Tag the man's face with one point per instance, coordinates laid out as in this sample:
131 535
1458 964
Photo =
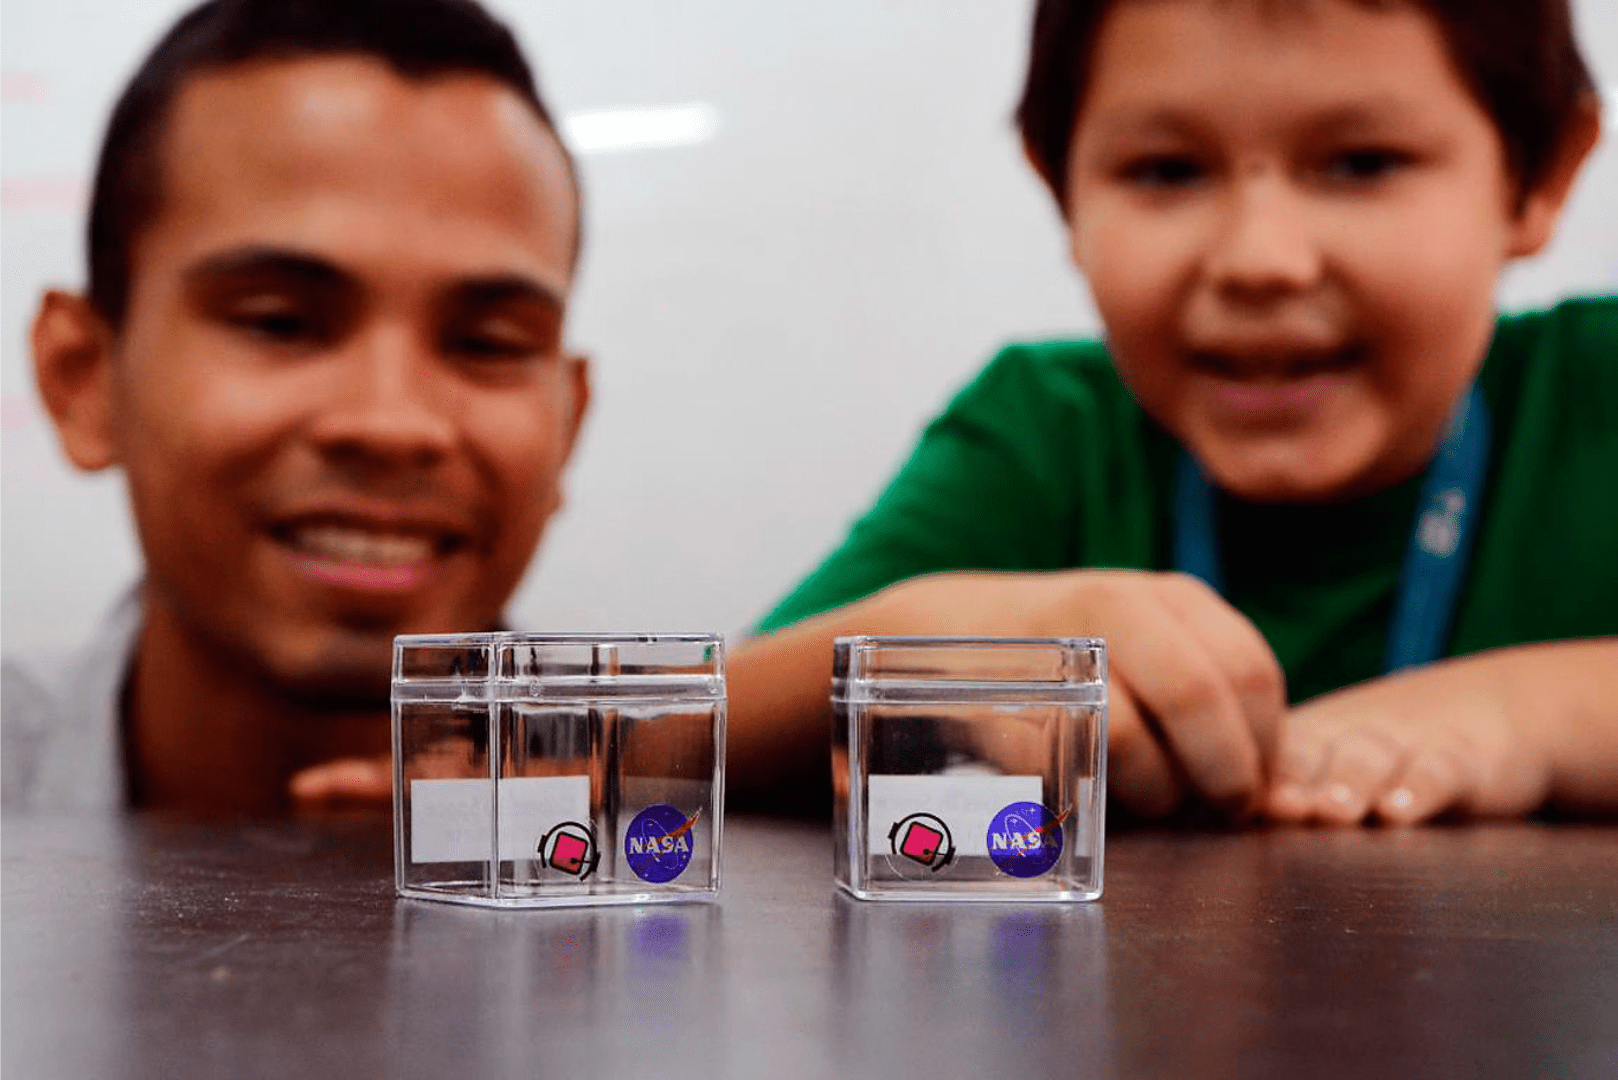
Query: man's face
1292 218
339 393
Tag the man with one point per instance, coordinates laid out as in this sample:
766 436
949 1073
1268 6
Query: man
331 246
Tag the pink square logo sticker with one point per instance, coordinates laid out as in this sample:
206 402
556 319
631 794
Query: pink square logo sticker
922 840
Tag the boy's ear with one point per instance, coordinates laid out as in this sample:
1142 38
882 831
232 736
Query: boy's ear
73 367
1535 221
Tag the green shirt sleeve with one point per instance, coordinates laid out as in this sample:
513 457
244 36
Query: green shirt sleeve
1006 479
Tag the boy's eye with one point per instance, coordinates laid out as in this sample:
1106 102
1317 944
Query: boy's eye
1361 166
1164 171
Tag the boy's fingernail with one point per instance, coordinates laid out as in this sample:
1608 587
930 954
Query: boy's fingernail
1341 794
1399 799
1288 797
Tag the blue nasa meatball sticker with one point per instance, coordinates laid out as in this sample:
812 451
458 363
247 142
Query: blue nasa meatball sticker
1025 839
658 843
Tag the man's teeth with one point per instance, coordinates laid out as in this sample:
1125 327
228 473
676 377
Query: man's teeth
360 546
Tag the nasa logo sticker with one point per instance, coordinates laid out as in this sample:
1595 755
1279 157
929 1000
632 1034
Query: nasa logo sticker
1025 839
659 842
922 839
570 848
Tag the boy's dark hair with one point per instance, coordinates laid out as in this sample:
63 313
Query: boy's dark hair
1518 58
420 39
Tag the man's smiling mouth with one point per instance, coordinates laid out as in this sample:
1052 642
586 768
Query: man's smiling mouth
384 560
347 543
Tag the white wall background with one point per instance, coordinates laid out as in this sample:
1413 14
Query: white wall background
773 311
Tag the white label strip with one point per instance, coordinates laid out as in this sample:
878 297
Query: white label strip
965 803
449 819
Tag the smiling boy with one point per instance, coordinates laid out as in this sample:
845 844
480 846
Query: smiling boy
1292 218
331 246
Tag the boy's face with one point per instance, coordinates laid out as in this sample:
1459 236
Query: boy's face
1292 218
340 394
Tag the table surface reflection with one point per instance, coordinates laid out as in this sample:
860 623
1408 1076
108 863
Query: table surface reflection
150 948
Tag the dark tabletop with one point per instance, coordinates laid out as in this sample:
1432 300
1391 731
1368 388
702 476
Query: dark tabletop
152 948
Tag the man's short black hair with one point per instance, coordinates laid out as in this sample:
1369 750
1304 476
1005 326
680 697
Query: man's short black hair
1517 57
420 39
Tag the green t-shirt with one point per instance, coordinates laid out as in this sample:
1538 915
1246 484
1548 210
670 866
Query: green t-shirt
1045 462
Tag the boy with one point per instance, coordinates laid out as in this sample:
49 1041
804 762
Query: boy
1292 218
330 249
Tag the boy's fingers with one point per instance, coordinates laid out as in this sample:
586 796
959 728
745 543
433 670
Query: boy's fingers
1196 710
1300 759
1358 770
1241 652
1428 785
1139 773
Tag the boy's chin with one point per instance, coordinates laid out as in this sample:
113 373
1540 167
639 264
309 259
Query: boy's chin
1287 474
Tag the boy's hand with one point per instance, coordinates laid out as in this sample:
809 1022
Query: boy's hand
1196 696
1496 734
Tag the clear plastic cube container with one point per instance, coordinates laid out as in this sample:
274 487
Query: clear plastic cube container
539 770
969 768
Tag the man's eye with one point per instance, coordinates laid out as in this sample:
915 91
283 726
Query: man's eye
1362 166
276 322
490 347
1164 171
283 326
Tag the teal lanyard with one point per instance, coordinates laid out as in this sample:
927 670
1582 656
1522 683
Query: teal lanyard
1435 560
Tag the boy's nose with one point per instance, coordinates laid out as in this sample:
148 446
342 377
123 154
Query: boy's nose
387 411
1263 249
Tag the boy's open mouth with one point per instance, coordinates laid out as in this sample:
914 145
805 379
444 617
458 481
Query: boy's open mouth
1277 365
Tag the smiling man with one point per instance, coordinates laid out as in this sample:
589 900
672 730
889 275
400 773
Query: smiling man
331 246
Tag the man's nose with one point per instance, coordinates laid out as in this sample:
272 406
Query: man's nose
1264 249
389 408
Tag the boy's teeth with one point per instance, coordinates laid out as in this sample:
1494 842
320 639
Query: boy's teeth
360 546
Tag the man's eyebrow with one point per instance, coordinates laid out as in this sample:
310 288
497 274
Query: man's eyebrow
256 260
490 290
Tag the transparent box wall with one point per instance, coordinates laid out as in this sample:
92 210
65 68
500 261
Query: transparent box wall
969 768
537 770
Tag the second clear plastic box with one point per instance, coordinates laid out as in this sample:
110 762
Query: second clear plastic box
969 768
538 770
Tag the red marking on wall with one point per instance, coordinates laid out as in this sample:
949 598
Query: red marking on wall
23 86
17 412
22 194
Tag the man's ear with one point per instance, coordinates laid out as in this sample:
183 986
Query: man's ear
73 367
578 374
1535 222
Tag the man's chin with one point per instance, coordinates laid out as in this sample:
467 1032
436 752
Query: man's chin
342 676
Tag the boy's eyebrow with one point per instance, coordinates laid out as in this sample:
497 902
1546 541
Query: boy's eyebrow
1132 119
1149 120
1374 113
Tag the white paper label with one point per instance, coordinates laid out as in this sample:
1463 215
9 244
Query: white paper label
449 819
965 803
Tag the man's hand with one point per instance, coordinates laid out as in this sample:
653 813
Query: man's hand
1196 696
1496 734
